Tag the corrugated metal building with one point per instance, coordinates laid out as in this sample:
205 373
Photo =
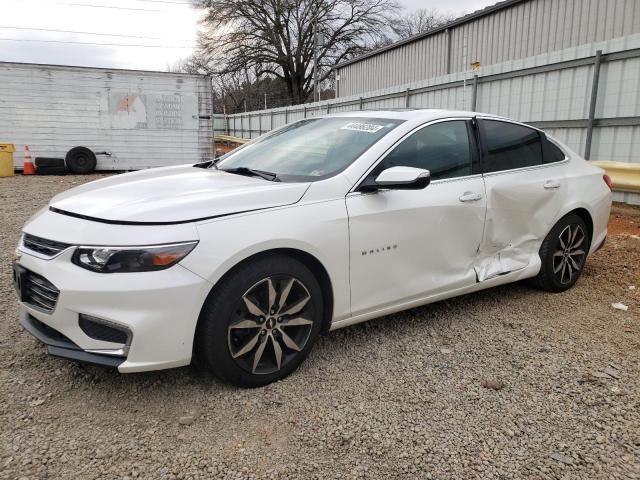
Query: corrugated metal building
509 30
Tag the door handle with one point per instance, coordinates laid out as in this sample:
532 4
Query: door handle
551 185
470 197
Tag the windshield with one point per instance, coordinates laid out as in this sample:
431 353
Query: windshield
311 149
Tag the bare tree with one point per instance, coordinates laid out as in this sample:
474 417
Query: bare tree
276 38
419 21
241 91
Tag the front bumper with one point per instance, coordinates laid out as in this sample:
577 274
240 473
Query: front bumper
60 346
160 310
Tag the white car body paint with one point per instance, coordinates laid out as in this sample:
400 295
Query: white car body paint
383 252
429 242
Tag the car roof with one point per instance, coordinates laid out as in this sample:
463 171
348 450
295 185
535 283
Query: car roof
425 114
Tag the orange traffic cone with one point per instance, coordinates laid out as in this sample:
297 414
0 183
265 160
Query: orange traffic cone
28 168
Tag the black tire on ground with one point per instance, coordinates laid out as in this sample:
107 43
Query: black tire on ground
275 284
80 160
563 254
48 162
51 170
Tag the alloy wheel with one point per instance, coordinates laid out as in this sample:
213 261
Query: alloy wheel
568 258
273 321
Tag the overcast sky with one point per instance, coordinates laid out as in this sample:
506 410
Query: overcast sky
157 33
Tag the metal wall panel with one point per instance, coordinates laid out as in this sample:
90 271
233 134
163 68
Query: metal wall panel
143 119
560 94
524 29
620 95
627 197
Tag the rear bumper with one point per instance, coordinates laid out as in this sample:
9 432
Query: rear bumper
60 346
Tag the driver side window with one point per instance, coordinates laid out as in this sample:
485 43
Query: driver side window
443 148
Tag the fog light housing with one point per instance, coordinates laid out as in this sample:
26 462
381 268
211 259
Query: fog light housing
106 331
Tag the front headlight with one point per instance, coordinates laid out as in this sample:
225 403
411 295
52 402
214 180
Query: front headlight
131 259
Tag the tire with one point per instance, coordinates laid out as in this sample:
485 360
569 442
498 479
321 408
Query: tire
48 162
50 166
238 337
80 160
51 170
563 255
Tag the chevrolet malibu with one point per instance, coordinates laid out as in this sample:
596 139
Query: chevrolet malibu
240 264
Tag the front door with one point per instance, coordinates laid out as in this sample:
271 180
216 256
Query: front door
408 244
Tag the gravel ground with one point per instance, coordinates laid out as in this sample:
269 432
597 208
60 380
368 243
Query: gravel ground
506 383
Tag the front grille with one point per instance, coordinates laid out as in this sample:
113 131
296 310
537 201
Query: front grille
49 248
101 331
39 292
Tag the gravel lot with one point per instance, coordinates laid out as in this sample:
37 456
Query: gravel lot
406 396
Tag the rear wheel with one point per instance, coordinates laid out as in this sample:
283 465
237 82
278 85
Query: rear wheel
563 255
260 322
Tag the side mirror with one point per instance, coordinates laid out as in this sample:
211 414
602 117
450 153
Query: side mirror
400 178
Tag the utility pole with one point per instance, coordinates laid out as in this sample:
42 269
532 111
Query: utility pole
225 119
265 101
464 73
316 93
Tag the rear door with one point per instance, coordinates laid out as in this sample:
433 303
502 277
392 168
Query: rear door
525 186
407 244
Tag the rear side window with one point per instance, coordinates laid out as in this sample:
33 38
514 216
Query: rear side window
509 146
552 153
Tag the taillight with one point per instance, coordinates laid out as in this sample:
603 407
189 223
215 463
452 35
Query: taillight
608 181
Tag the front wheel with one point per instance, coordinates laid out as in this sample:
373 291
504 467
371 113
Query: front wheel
260 322
563 255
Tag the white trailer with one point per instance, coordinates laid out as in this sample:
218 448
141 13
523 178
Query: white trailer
124 119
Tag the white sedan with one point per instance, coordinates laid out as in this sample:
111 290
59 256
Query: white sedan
239 265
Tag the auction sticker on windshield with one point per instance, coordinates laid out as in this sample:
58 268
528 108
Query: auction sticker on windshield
362 127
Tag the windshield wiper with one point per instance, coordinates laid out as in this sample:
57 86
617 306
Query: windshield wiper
251 172
206 164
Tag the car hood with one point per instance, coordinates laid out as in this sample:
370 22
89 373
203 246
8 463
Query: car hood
174 195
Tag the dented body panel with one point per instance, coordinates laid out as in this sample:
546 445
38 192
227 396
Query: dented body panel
522 206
